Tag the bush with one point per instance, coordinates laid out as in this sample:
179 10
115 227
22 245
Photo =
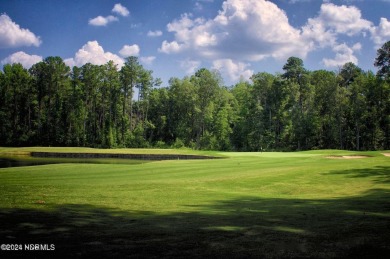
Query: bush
178 143
160 144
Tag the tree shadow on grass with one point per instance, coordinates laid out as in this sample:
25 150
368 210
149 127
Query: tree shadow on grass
248 227
378 173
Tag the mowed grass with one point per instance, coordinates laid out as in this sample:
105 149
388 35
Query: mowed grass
260 205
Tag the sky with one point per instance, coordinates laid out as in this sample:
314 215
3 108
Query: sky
175 38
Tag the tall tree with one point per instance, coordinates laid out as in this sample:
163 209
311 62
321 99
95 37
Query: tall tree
348 73
18 106
130 77
51 78
110 101
261 112
326 106
75 109
348 125
183 112
382 61
91 82
207 84
159 110
243 126
301 103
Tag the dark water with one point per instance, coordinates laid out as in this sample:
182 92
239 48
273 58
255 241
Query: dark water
34 161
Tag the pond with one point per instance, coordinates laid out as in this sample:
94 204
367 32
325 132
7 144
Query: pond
16 161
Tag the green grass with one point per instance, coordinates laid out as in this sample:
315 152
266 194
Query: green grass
267 205
27 150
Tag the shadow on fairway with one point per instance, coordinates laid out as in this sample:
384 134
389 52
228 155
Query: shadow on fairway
378 173
246 227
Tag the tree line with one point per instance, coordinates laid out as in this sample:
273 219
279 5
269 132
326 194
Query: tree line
94 106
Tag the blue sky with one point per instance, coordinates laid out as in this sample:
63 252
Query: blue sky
174 38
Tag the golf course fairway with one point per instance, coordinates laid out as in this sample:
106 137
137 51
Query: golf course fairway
245 205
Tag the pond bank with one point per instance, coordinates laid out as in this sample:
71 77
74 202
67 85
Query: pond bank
124 156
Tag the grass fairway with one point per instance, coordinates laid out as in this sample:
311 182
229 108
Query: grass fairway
260 205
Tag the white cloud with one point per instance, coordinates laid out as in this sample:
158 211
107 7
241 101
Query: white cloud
189 66
233 70
155 33
70 62
147 60
246 31
344 19
11 35
344 54
249 30
21 57
317 34
128 50
170 47
381 34
120 9
93 53
332 21
102 21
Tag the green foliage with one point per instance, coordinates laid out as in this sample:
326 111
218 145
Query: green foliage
160 144
178 143
383 61
95 106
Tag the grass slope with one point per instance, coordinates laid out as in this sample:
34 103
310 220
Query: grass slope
269 205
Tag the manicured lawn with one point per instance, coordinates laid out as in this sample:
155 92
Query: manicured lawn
270 205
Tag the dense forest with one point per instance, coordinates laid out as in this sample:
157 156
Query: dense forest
95 106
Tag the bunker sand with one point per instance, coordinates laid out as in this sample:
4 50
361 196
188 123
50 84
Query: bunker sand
347 157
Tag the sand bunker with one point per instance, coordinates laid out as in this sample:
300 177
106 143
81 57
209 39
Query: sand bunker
386 154
347 157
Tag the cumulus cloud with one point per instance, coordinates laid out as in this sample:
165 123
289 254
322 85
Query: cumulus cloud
23 58
102 21
332 21
189 66
121 10
170 47
11 35
247 29
344 54
155 33
147 60
233 70
93 53
381 34
344 19
128 50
